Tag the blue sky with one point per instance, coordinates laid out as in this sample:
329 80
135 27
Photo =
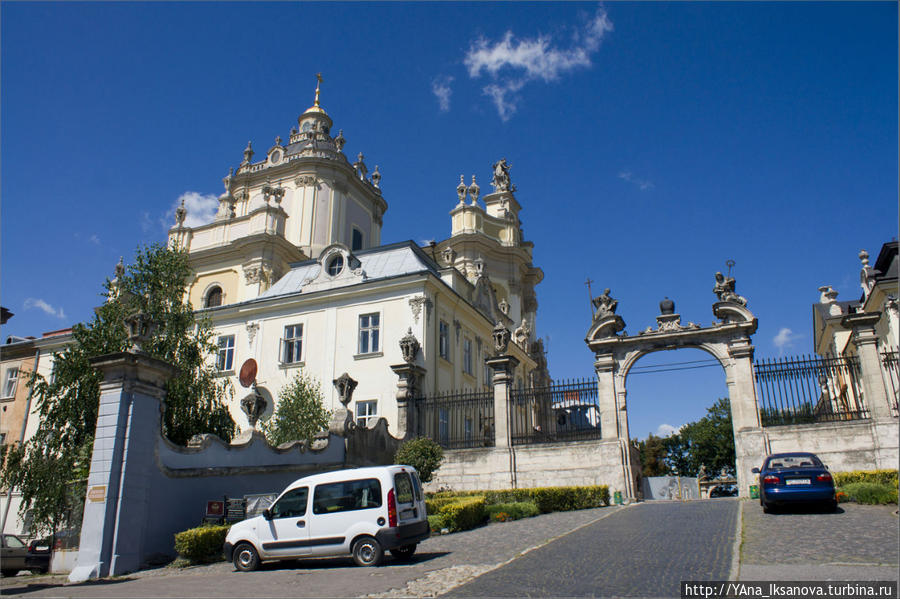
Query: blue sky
649 143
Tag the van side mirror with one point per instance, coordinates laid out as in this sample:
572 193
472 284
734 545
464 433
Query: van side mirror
755 471
267 514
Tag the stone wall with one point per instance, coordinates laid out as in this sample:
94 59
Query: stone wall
543 465
842 446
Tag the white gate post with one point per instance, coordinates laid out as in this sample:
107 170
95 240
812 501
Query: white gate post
866 341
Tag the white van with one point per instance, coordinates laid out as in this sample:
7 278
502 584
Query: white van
361 512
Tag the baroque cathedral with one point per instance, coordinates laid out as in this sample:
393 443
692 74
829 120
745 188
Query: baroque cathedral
293 275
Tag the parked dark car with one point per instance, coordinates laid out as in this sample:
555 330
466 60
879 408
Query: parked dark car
792 478
17 556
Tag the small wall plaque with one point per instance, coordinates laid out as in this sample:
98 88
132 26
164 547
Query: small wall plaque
97 494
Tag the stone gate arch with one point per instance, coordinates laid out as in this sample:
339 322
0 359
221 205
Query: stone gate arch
728 340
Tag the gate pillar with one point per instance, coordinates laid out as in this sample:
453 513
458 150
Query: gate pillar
605 366
866 340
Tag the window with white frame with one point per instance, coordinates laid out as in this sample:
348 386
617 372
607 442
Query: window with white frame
366 413
467 356
292 344
225 359
9 385
444 340
369 329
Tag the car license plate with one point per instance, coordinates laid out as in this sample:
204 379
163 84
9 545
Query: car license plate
797 481
42 548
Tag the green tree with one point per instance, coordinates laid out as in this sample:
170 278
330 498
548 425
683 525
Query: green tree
299 414
708 441
421 453
653 455
46 467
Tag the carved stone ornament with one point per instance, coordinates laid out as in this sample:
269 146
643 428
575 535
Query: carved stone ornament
360 166
724 290
866 274
306 180
345 387
461 190
457 326
479 266
376 178
500 334
180 214
140 327
409 347
474 190
415 304
248 153
604 305
501 181
339 141
449 256
252 329
522 335
504 306
252 274
273 193
253 405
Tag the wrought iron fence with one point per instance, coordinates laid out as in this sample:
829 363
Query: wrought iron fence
802 390
561 412
891 368
457 419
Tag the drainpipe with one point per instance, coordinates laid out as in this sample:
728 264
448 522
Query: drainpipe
9 493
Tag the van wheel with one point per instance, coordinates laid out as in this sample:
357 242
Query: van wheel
245 557
367 552
404 553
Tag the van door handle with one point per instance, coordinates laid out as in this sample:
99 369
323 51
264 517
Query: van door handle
301 524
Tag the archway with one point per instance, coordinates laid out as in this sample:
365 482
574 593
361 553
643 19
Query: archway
727 340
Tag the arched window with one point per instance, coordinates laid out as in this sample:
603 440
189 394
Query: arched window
214 297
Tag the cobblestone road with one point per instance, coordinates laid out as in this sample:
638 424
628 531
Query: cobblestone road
645 551
858 542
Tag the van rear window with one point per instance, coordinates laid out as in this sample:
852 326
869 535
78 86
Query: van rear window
404 487
346 496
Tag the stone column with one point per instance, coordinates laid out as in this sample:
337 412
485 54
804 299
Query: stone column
116 509
503 368
866 341
407 391
742 386
605 366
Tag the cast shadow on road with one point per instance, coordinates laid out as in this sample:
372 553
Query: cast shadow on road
328 563
787 510
32 587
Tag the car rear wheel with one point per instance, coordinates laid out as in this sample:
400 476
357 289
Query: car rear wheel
367 552
245 557
404 553
768 508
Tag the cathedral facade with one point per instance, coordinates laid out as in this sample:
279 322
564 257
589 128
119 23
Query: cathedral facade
293 275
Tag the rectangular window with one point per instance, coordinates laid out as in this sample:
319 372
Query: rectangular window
366 413
443 425
12 379
369 328
444 340
292 344
357 240
225 359
346 496
467 356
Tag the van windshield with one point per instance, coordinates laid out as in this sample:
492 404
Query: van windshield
404 487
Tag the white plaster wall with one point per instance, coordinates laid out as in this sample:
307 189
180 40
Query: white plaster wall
842 446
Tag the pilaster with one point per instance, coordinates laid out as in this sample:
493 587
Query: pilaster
866 340
408 387
503 368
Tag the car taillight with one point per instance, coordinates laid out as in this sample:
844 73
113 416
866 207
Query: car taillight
392 509
770 480
825 478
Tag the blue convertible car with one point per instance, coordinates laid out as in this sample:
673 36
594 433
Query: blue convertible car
795 478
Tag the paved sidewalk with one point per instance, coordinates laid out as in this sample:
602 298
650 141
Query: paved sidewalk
859 542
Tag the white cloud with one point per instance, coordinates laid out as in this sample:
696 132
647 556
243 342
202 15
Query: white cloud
40 304
201 209
642 184
666 430
440 87
785 339
512 62
94 239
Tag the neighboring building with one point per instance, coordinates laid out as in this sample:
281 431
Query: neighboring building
19 358
879 295
292 273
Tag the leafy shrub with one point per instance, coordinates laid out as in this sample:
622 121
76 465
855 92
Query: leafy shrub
433 505
501 512
870 493
879 477
464 514
554 499
841 496
436 522
423 454
202 544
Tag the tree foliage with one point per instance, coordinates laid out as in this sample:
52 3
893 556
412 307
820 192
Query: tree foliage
423 454
708 442
653 455
46 466
299 414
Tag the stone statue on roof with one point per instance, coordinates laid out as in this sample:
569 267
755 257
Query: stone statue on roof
501 180
724 290
604 305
